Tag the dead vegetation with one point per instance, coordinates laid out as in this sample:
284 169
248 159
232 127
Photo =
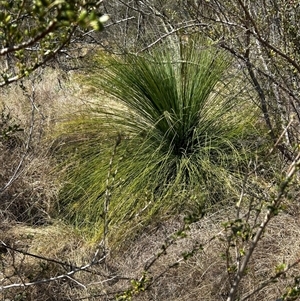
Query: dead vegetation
50 252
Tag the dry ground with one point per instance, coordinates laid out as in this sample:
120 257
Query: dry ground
200 277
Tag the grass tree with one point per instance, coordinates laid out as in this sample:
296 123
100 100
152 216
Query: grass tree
175 138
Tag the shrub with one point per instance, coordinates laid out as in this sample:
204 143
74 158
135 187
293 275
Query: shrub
177 136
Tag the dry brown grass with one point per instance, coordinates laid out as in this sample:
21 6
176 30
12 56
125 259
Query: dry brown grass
204 276
201 277
24 156
55 242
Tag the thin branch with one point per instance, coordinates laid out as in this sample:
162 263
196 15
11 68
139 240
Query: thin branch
105 26
64 264
51 279
108 191
257 34
42 62
170 33
17 173
269 215
30 42
271 280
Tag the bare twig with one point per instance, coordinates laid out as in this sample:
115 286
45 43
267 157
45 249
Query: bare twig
51 279
31 41
108 190
269 215
18 171
43 61
263 41
64 264
170 33
271 280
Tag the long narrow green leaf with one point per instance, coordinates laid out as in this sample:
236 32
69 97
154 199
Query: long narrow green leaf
182 123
